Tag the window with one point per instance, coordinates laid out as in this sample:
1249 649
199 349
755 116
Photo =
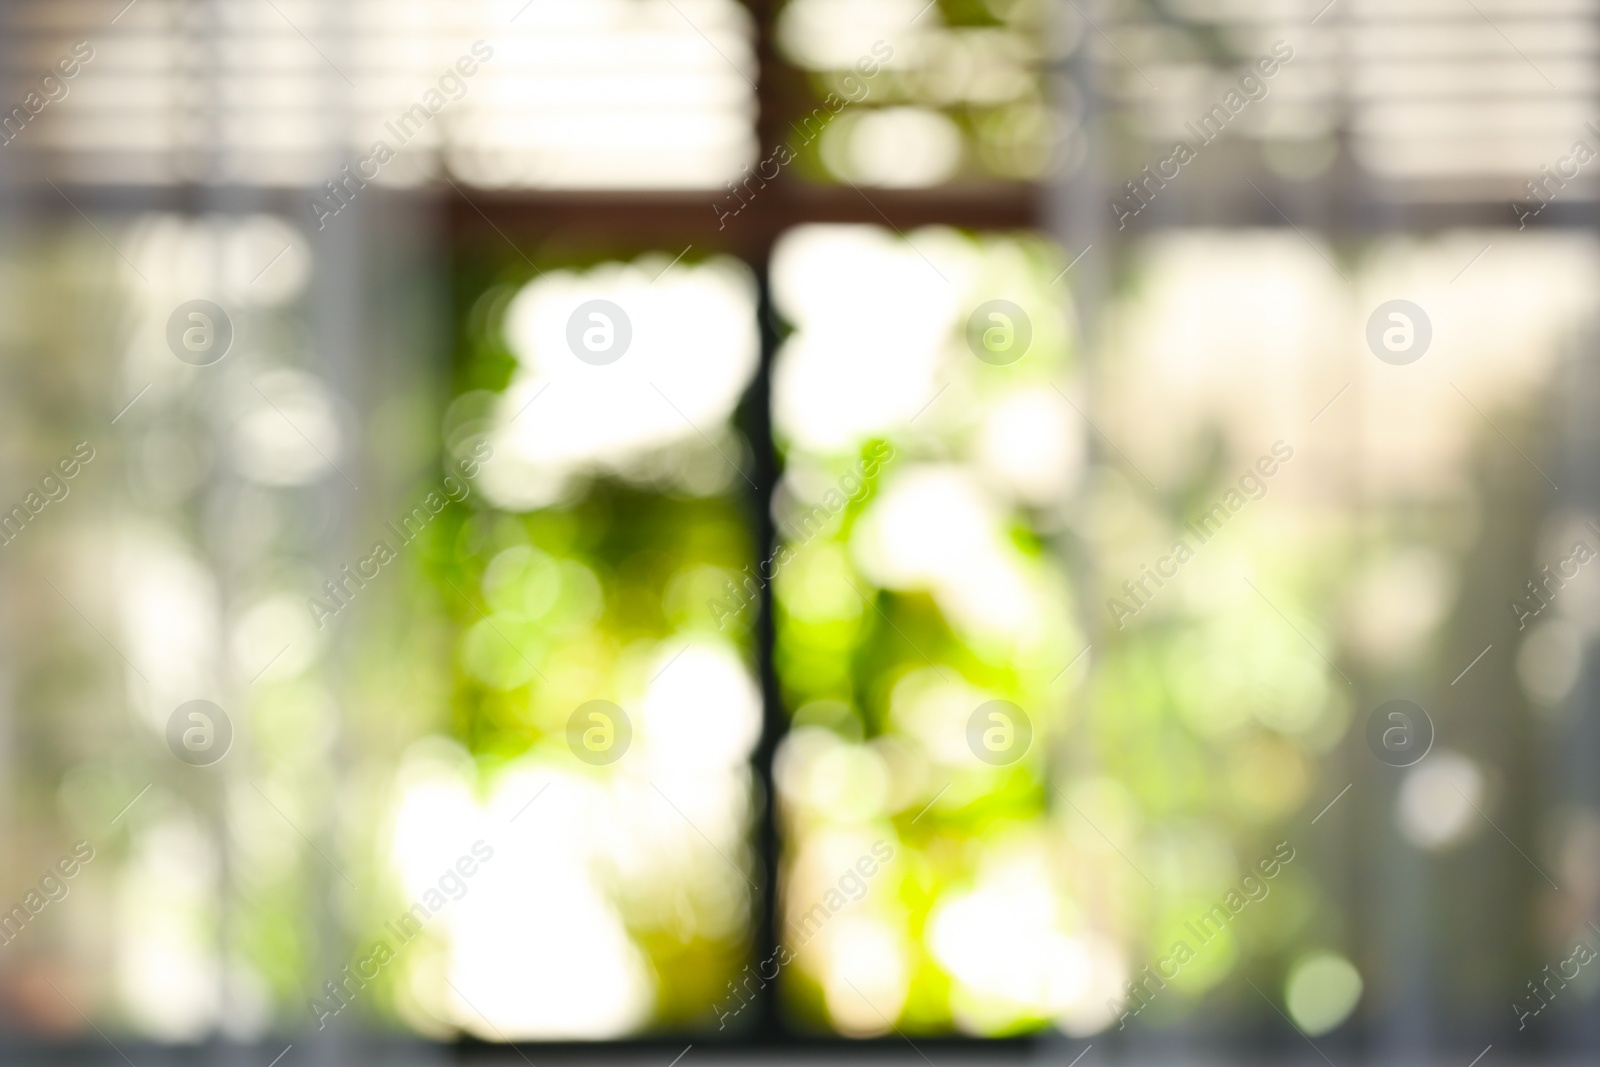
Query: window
636 519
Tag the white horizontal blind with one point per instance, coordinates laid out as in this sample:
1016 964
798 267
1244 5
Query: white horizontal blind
560 94
1440 99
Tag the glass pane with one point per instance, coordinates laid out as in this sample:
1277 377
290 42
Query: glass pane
600 723
175 700
1309 640
928 646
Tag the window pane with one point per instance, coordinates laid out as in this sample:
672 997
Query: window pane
925 631
590 685
1327 658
